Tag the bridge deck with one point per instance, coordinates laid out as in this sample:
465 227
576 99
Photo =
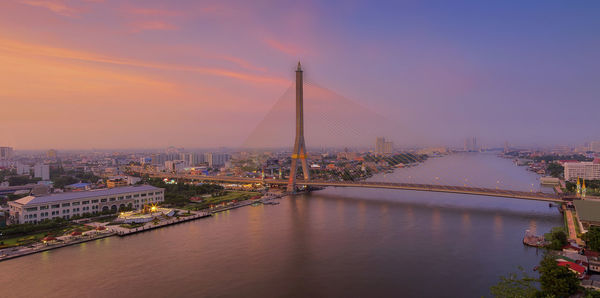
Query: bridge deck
539 196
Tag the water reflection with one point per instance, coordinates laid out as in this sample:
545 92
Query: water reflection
331 243
466 222
410 217
498 227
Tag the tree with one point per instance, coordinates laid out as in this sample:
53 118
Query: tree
18 180
557 281
515 286
591 293
558 239
592 238
62 181
24 229
555 170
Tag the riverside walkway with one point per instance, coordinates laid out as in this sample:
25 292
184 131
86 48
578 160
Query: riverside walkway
11 253
571 227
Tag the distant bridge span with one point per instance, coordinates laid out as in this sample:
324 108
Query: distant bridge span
537 196
299 155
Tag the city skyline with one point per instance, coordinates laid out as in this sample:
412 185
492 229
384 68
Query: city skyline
92 74
228 148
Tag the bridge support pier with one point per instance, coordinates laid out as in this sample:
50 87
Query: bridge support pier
299 152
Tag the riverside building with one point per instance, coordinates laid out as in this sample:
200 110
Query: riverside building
587 170
33 209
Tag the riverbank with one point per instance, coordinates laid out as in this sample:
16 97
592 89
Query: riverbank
363 242
12 253
119 230
103 230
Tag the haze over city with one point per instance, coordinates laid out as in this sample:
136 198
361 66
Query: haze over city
191 148
150 74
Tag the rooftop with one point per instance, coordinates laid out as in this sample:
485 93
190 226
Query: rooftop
588 210
78 185
573 266
31 200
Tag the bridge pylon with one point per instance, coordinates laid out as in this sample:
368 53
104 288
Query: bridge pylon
299 153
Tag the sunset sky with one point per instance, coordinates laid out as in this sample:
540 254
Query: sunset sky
150 74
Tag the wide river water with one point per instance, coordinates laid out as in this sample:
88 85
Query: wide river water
332 243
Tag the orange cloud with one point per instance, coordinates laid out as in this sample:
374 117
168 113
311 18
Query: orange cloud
60 80
85 107
55 6
41 50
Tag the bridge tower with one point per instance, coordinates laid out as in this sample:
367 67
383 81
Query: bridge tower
299 152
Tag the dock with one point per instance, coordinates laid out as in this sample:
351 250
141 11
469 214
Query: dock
119 231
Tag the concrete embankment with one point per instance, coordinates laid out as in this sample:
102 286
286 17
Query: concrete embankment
25 251
8 254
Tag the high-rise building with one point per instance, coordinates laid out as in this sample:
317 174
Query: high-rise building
383 147
6 153
191 159
379 143
23 169
159 159
471 144
41 171
216 159
595 146
174 165
388 148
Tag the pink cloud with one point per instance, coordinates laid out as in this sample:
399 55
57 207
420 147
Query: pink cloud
56 6
288 49
243 63
61 53
153 25
153 12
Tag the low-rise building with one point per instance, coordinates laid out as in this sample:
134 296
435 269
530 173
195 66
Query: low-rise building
573 267
549 181
591 284
116 182
594 264
33 209
79 186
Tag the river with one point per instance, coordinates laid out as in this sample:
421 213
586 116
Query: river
332 243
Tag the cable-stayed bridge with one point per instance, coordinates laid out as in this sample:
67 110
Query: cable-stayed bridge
538 196
299 158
